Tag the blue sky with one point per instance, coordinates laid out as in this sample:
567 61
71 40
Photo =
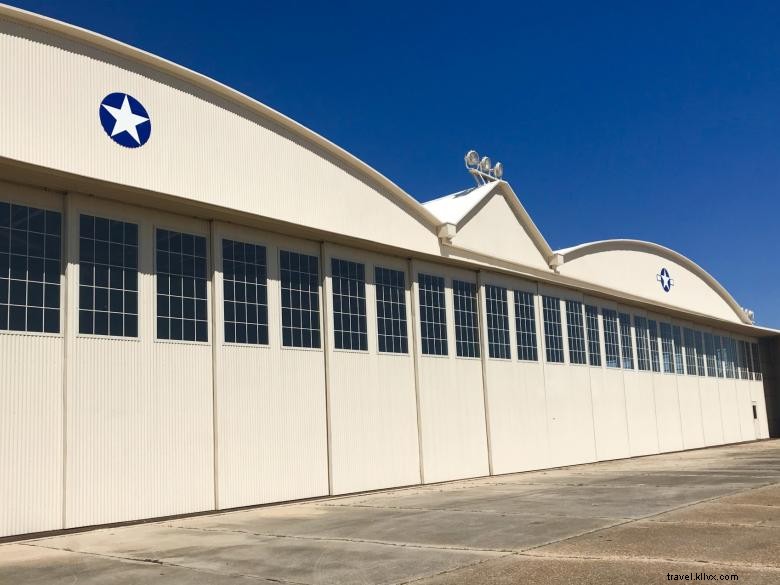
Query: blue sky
658 122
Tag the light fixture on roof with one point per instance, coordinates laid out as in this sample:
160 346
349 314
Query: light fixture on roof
472 159
481 168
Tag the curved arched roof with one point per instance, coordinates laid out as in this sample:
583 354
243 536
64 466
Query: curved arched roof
596 247
220 90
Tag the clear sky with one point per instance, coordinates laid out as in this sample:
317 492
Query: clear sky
658 122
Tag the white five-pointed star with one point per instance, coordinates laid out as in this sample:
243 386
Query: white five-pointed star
665 280
125 120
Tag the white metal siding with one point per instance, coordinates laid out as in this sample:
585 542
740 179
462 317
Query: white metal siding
452 407
270 400
139 411
31 412
373 409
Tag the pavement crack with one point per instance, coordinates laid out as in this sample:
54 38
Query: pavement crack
350 540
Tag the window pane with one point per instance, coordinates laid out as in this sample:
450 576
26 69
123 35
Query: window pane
652 332
29 257
300 279
594 339
709 349
728 357
626 344
466 321
433 319
246 318
667 348
742 360
390 286
525 326
177 254
553 334
349 304
699 352
118 260
690 351
756 361
497 322
611 343
679 363
576 331
642 350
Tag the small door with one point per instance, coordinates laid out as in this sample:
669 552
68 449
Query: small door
755 421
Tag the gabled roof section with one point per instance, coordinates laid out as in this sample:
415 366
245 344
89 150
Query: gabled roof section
453 208
217 89
460 209
591 249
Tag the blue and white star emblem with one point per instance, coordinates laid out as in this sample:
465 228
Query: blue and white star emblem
667 282
125 120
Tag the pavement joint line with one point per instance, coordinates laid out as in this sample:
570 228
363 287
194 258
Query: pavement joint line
701 523
483 512
631 521
455 569
160 563
644 559
353 540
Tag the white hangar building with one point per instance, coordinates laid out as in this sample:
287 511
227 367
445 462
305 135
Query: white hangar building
235 312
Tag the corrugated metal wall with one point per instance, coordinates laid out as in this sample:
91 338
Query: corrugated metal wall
31 413
97 429
270 401
139 411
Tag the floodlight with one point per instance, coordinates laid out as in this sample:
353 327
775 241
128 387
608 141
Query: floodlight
484 164
472 159
498 170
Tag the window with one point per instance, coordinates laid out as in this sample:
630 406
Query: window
350 329
679 364
391 310
626 345
594 340
108 277
709 350
553 334
466 321
245 292
611 342
756 361
525 326
642 353
181 287
652 329
300 279
690 352
497 322
576 331
699 353
742 357
719 359
433 315
728 355
667 348
748 361
29 269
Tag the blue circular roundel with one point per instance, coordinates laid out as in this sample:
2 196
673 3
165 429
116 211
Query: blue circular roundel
125 120
665 279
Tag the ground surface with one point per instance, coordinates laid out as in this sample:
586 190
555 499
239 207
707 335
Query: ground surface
714 511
